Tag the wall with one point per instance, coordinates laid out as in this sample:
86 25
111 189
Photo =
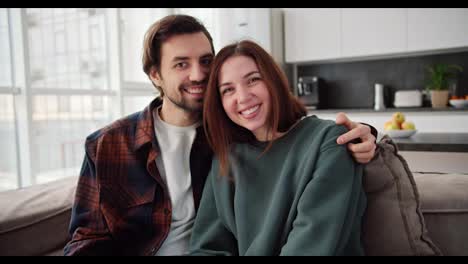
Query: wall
351 84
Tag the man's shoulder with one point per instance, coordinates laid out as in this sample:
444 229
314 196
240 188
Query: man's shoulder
121 127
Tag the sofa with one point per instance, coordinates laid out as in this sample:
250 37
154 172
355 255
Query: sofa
34 220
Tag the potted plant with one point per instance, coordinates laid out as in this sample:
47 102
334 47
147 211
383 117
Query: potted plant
438 82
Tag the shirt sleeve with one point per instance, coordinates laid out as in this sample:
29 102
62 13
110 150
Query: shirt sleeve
88 229
210 237
331 206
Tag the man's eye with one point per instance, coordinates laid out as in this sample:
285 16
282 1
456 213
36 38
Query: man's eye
206 62
180 65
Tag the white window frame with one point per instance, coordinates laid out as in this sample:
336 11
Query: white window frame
9 90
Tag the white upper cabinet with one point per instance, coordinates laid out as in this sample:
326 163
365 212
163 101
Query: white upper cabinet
246 23
373 31
312 34
437 28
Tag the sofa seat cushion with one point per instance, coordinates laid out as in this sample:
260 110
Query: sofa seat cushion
444 203
34 220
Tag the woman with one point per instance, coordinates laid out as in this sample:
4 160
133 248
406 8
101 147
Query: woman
279 183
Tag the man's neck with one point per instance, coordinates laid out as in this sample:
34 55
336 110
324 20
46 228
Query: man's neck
176 116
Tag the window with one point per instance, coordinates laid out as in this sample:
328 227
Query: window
8 151
58 136
137 89
134 104
67 49
64 73
68 66
8 165
209 18
5 72
134 23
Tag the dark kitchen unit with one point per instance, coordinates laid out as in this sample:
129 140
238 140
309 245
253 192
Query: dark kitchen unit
350 85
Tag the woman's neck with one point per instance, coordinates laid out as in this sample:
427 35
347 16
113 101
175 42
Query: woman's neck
264 136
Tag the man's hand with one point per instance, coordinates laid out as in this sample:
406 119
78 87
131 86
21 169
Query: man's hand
363 152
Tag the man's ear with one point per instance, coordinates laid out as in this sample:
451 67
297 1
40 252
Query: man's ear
155 77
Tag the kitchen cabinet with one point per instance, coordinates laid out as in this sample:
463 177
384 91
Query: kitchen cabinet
437 28
312 34
335 34
246 23
373 31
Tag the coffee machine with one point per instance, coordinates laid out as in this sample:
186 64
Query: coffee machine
308 90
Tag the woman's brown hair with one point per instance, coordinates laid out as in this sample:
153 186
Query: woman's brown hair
285 109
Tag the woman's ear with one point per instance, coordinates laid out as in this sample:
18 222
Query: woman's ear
155 77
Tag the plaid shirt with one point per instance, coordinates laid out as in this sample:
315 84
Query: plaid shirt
122 206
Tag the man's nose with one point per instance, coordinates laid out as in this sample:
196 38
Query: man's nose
198 73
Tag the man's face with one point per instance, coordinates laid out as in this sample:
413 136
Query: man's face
184 70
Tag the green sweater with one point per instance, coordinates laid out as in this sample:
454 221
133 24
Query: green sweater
303 197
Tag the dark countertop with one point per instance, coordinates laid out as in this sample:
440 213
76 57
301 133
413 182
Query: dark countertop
439 142
391 110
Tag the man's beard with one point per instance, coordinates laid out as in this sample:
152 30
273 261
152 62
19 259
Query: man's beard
183 104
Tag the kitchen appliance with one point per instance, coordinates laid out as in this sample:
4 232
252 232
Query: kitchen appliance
412 98
309 90
379 103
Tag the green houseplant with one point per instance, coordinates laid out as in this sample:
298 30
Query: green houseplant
439 77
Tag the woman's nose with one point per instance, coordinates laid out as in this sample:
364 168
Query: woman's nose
243 95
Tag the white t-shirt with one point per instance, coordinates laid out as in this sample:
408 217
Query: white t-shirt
174 166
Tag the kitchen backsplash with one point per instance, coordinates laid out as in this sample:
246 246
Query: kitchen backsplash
351 84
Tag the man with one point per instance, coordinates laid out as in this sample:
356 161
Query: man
143 175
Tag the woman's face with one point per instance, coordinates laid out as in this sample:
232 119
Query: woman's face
244 94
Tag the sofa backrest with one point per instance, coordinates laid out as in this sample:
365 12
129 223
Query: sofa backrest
393 223
34 220
444 203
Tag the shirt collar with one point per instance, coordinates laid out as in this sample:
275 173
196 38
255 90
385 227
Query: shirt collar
144 133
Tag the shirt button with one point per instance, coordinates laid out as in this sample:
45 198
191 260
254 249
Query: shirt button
153 250
167 211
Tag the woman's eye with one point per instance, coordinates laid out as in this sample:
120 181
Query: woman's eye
253 80
227 90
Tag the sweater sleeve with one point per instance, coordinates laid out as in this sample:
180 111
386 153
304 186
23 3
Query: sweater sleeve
330 206
210 237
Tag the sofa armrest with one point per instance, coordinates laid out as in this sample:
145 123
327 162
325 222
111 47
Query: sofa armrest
34 220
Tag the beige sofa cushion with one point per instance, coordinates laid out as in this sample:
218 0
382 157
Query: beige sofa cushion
34 220
393 222
444 203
